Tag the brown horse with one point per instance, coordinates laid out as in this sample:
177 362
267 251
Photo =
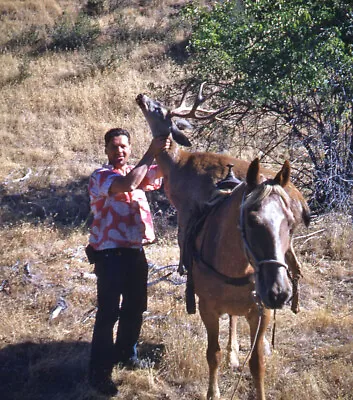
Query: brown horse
246 238
230 263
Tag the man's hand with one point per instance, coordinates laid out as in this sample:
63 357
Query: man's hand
159 144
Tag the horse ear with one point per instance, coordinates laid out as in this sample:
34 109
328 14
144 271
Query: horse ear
283 176
253 175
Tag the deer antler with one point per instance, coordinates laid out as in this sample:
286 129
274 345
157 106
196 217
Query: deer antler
191 111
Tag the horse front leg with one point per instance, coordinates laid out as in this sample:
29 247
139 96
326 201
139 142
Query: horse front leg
257 365
211 321
233 345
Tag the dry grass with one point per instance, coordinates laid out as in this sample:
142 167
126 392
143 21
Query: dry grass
55 107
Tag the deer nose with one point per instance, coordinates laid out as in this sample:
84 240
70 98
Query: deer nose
139 98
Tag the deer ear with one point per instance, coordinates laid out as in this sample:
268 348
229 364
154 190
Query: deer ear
253 176
183 124
283 176
179 137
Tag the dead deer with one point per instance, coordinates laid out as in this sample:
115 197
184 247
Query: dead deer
190 178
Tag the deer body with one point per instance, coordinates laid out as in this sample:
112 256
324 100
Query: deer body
190 178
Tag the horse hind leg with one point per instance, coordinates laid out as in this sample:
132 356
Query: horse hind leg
213 353
233 345
256 363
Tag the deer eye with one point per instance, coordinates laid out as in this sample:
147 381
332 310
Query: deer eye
159 111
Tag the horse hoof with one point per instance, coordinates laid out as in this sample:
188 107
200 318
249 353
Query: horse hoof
233 365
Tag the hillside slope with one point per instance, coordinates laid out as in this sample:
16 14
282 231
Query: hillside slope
68 73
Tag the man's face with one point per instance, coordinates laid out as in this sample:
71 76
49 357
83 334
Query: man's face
118 151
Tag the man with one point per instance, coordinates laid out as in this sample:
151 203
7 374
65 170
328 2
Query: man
122 224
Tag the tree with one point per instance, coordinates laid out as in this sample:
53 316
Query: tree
290 62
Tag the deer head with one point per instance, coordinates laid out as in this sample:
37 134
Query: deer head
160 118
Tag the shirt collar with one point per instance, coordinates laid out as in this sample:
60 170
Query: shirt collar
124 170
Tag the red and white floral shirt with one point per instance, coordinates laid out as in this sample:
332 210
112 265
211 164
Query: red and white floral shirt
123 219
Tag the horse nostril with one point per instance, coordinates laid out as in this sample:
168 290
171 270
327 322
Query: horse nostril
277 298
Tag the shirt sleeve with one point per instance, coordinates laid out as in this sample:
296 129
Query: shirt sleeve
150 181
100 182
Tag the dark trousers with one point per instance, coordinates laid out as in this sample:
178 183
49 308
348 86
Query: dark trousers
121 296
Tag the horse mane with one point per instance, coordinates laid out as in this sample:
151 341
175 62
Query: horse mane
262 191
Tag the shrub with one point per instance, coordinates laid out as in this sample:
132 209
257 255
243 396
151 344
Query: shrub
68 35
94 7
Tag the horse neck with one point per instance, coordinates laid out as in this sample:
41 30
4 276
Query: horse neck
221 240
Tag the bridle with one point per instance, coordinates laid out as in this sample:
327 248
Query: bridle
248 251
255 263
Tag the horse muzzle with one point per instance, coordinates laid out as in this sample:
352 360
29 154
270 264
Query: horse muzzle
273 285
277 297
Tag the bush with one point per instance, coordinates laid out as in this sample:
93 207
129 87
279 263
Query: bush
94 7
68 35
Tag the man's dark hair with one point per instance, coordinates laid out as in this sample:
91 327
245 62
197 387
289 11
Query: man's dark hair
115 132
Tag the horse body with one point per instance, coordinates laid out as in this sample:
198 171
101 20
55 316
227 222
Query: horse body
255 224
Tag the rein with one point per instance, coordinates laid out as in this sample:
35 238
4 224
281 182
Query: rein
243 281
260 309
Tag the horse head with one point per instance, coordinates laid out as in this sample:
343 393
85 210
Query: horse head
267 224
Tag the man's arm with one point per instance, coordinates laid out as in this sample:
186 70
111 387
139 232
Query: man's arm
133 179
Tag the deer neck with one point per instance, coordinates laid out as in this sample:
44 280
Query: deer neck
168 159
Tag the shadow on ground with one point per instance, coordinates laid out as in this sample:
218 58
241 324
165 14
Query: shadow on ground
55 370
61 204
42 371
